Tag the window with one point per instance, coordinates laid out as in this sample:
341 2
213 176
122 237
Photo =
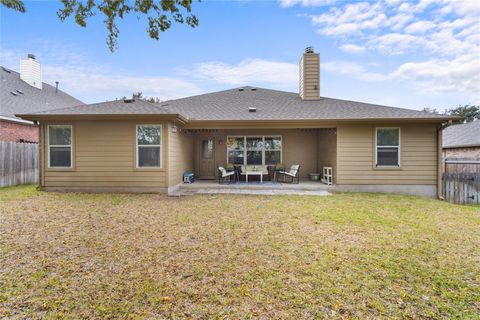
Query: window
273 150
60 146
254 150
149 146
388 147
207 149
235 150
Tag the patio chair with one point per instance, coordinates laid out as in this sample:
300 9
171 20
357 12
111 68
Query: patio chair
293 175
224 176
231 167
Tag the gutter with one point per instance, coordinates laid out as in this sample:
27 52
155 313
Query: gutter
16 120
440 164
39 117
460 146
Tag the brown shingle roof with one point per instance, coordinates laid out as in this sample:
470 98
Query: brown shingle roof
31 100
234 105
115 107
462 135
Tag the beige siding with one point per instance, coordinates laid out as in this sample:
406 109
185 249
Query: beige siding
327 150
104 156
356 155
180 155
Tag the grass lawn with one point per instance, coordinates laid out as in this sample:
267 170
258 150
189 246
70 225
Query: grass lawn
230 257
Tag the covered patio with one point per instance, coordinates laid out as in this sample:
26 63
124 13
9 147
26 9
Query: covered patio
258 155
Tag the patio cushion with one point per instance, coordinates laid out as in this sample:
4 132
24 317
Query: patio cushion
256 167
293 170
226 174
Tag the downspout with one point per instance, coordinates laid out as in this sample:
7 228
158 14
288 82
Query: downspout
440 163
41 144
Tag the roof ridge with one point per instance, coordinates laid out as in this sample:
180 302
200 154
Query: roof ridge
226 90
99 104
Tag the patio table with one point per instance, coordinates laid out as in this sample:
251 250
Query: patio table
253 173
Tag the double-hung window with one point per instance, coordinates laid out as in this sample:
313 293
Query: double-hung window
60 146
387 147
235 150
149 146
254 150
273 150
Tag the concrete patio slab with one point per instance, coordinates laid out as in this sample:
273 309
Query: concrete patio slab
307 188
264 192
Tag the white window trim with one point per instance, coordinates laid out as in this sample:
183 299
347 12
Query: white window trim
62 146
245 148
148 145
398 147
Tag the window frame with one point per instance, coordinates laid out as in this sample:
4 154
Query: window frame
160 146
60 146
398 148
245 147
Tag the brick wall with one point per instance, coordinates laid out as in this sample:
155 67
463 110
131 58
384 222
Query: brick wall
17 132
462 153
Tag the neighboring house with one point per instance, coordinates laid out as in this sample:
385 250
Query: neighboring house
25 92
462 141
134 145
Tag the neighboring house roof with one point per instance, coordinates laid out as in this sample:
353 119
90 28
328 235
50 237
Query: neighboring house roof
234 104
29 99
462 135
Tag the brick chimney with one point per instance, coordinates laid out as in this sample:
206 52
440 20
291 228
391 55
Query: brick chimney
310 75
31 71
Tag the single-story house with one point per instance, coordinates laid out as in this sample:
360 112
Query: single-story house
462 141
25 92
136 146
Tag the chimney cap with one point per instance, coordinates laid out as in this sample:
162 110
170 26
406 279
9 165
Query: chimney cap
31 56
309 49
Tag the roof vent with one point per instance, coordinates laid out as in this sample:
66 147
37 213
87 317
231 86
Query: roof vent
19 91
241 89
254 89
6 70
128 100
14 93
309 50
252 109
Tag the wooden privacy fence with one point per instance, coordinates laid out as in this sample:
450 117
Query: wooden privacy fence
461 181
18 163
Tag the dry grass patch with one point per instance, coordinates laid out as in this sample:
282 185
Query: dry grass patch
150 256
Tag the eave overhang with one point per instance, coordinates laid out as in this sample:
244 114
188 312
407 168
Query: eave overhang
303 123
47 117
225 124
